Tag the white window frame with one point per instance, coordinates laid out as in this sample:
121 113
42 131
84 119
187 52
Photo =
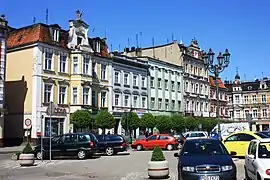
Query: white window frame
86 65
48 59
152 102
254 98
126 79
63 59
144 100
159 103
126 101
135 80
98 47
103 99
117 80
143 81
94 71
255 113
159 83
75 95
60 100
51 92
84 93
264 113
135 99
103 72
118 99
166 82
264 98
246 99
75 63
152 82
56 35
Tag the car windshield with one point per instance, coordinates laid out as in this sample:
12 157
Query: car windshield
266 133
264 150
261 135
204 148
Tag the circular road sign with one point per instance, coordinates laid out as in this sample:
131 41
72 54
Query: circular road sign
28 122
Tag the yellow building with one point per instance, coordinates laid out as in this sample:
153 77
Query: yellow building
47 64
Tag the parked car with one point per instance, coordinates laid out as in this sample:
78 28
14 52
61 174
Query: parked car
180 138
205 159
195 134
257 160
266 133
239 141
164 141
82 145
111 144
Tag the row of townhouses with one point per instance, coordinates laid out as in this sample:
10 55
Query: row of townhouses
44 63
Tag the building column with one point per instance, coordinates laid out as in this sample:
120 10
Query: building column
170 89
156 87
163 88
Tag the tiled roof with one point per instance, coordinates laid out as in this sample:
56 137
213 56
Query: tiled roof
248 86
213 84
33 34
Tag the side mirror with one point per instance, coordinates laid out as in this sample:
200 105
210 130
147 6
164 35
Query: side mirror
176 154
233 153
251 156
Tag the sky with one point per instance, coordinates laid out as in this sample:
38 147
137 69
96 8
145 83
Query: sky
242 26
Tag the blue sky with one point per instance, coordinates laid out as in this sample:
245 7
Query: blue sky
242 26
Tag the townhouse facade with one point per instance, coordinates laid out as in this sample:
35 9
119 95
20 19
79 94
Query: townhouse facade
48 64
223 98
130 87
195 76
3 47
249 98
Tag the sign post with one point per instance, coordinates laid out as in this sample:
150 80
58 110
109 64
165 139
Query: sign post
28 124
249 119
50 111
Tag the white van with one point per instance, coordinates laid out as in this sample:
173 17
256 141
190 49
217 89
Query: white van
195 134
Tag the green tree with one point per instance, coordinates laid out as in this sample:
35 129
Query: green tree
191 123
208 124
148 121
81 118
105 120
132 119
178 123
164 123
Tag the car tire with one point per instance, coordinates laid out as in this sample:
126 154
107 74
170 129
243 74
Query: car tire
169 147
81 154
109 151
246 175
39 155
139 147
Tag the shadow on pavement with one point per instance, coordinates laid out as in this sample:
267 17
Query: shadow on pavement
73 158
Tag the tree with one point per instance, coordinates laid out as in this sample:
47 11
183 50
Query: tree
208 124
133 120
178 123
148 121
105 120
81 118
164 123
191 123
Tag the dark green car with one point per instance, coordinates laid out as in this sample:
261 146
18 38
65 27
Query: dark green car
82 145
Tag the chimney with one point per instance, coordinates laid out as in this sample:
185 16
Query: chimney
126 50
138 52
133 48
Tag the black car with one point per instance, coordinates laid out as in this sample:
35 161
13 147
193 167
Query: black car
111 144
205 159
82 145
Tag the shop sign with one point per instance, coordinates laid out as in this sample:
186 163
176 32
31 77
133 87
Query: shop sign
54 110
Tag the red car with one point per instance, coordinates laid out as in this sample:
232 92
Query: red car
164 141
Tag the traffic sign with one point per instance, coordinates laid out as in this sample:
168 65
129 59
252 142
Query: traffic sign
28 122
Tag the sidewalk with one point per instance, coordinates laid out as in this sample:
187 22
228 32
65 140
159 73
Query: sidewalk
9 150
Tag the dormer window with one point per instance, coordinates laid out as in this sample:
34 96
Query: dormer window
249 88
56 34
263 86
196 54
98 47
79 40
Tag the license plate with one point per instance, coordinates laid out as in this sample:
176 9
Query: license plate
209 178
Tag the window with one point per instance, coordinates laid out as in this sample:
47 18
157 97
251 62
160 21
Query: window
143 102
246 99
103 99
237 113
192 87
246 112
152 103
135 80
206 89
57 127
152 82
159 82
173 86
75 65
117 100
201 106
263 98
94 74
255 113
264 112
79 40
56 35
62 95
159 103
152 138
254 98
167 104
103 71
166 84
179 105
98 47
126 81
197 88
94 99
143 82
86 62
178 87
230 99
48 60
173 104
116 77
75 95
206 107
237 99
63 62
135 101
126 101
85 95
162 137
240 137
186 87
47 93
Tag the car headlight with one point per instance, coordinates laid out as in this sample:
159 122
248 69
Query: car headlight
226 168
188 168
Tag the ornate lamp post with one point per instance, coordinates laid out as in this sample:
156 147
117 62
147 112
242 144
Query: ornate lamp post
223 61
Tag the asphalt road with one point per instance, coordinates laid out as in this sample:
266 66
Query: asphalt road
119 167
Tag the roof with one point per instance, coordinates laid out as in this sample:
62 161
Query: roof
249 86
202 139
213 84
33 34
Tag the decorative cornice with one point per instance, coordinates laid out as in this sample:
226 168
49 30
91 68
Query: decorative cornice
64 82
49 80
86 83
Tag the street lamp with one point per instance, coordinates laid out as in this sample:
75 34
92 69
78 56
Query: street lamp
223 61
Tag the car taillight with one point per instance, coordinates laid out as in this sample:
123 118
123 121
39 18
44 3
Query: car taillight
267 172
91 144
124 144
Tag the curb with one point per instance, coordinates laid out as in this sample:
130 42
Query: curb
8 152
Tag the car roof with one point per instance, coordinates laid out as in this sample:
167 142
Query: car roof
240 132
202 139
196 132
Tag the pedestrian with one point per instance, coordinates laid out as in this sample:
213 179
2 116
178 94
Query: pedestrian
146 134
109 132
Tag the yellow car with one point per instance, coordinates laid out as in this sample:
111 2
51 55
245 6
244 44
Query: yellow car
238 142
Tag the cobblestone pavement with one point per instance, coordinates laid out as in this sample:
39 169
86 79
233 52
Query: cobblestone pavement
119 167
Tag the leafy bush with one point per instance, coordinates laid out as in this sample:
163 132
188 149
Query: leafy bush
105 120
27 149
81 118
157 154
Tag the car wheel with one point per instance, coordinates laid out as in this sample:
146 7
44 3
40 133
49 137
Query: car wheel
39 155
169 147
139 147
81 154
109 151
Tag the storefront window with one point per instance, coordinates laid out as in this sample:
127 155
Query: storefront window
57 126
